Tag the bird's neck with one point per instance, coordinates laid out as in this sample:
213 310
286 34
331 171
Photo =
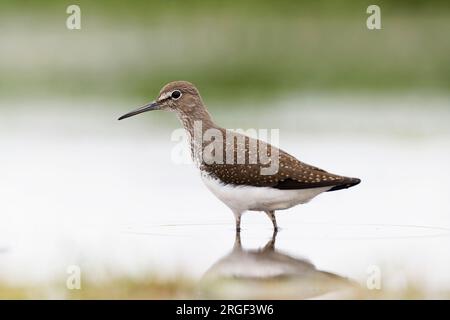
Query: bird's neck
192 121
196 123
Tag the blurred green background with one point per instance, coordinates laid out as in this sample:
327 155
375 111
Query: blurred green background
229 49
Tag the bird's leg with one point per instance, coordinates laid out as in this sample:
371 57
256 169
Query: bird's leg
237 241
270 246
271 215
238 223
274 237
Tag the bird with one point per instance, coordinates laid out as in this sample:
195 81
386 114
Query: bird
245 173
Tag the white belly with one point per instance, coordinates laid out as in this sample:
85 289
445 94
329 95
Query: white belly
242 198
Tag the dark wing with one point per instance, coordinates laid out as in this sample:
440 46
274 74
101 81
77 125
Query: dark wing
291 174
303 176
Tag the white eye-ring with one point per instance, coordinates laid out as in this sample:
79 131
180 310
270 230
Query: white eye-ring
176 94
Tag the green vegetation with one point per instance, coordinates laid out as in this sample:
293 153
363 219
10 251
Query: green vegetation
229 49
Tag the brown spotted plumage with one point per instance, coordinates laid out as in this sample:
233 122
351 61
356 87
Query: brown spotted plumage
292 173
238 179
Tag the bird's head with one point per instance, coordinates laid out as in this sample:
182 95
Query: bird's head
179 96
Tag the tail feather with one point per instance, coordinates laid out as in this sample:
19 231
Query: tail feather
347 183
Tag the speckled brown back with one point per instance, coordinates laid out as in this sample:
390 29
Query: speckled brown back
292 173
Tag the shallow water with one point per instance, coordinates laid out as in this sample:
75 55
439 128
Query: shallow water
90 191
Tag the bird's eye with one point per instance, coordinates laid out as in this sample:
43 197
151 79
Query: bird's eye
176 94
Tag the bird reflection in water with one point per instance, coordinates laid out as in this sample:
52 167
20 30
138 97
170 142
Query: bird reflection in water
267 273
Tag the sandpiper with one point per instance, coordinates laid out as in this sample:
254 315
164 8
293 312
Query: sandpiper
241 182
